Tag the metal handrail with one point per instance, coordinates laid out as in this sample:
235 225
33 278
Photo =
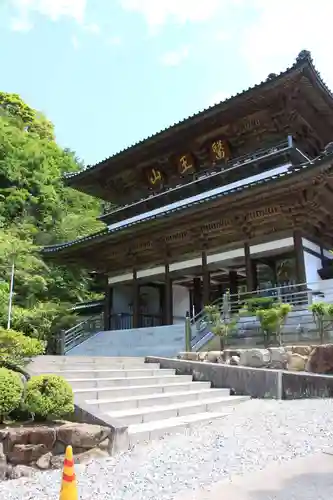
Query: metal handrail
299 295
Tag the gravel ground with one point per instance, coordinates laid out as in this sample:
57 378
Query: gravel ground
255 433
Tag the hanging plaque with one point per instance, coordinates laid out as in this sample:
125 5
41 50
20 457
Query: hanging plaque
155 178
219 151
185 164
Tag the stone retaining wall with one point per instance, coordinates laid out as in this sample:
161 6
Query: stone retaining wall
255 382
26 448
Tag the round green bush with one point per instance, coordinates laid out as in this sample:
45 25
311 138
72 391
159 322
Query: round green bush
11 391
49 395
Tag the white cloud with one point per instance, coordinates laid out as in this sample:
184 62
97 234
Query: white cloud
20 24
53 9
175 57
282 29
157 12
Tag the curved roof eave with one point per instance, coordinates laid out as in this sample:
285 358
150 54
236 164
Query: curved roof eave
304 59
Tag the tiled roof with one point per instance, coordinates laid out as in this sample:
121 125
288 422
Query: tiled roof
277 173
303 57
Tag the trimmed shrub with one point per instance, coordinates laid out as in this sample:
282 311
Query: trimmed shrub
15 347
49 395
11 391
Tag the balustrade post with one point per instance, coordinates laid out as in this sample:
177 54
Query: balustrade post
61 343
188 335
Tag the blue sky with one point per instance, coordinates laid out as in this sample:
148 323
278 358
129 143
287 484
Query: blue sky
111 72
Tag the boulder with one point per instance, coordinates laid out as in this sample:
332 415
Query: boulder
278 358
304 350
213 356
233 361
296 362
321 359
228 353
82 435
3 464
202 356
30 435
44 462
188 356
255 358
26 453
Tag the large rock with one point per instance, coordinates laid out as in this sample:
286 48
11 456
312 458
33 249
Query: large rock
44 462
321 359
304 350
82 435
255 358
278 358
296 362
188 356
3 464
31 435
26 453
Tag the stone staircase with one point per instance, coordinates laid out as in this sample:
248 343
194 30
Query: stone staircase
149 400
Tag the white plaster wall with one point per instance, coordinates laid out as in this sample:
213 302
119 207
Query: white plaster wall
312 264
181 303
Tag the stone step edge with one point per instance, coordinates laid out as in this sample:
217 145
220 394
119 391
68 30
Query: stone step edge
171 371
177 406
170 423
136 379
154 396
138 387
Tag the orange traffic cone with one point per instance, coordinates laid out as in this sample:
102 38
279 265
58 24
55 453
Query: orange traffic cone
68 485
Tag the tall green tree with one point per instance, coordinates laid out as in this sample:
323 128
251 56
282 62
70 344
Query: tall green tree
36 209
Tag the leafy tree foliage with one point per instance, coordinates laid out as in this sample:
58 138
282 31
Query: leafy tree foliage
36 209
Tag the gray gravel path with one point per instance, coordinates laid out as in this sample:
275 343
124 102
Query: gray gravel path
254 434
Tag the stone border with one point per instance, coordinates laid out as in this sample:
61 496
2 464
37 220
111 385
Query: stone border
119 439
255 382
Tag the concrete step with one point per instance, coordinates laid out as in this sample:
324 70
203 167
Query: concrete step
91 374
144 401
152 413
159 378
138 390
99 372
139 433
88 363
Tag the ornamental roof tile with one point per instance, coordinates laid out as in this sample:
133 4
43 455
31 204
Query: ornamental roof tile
304 57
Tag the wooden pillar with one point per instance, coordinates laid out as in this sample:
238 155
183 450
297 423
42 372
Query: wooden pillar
107 308
205 280
197 296
168 303
250 278
136 301
299 258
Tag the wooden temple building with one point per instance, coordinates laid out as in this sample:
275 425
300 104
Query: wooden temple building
236 197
